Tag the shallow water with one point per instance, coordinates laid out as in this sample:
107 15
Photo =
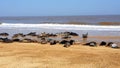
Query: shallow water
55 28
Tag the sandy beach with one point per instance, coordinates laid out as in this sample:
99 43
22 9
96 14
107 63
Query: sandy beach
59 33
35 55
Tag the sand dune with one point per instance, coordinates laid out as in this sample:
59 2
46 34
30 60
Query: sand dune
34 55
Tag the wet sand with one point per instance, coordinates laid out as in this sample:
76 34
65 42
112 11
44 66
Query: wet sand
115 39
35 55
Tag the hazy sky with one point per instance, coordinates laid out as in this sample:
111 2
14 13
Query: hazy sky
58 7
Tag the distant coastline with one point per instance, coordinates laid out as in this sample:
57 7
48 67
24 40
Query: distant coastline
100 23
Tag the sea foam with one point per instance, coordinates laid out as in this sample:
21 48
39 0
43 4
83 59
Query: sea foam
61 26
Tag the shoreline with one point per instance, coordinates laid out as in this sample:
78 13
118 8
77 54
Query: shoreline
96 38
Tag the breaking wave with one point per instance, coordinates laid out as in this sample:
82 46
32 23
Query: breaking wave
61 26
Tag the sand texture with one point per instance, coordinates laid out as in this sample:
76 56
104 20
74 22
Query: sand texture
34 55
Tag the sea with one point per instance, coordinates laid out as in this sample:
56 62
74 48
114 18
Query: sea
55 24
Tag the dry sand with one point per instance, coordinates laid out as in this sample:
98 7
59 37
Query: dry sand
34 55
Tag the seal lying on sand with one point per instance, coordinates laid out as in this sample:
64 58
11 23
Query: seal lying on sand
67 43
6 40
91 44
43 40
53 42
112 45
103 43
18 37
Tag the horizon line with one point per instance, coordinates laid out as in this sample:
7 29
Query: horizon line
63 15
